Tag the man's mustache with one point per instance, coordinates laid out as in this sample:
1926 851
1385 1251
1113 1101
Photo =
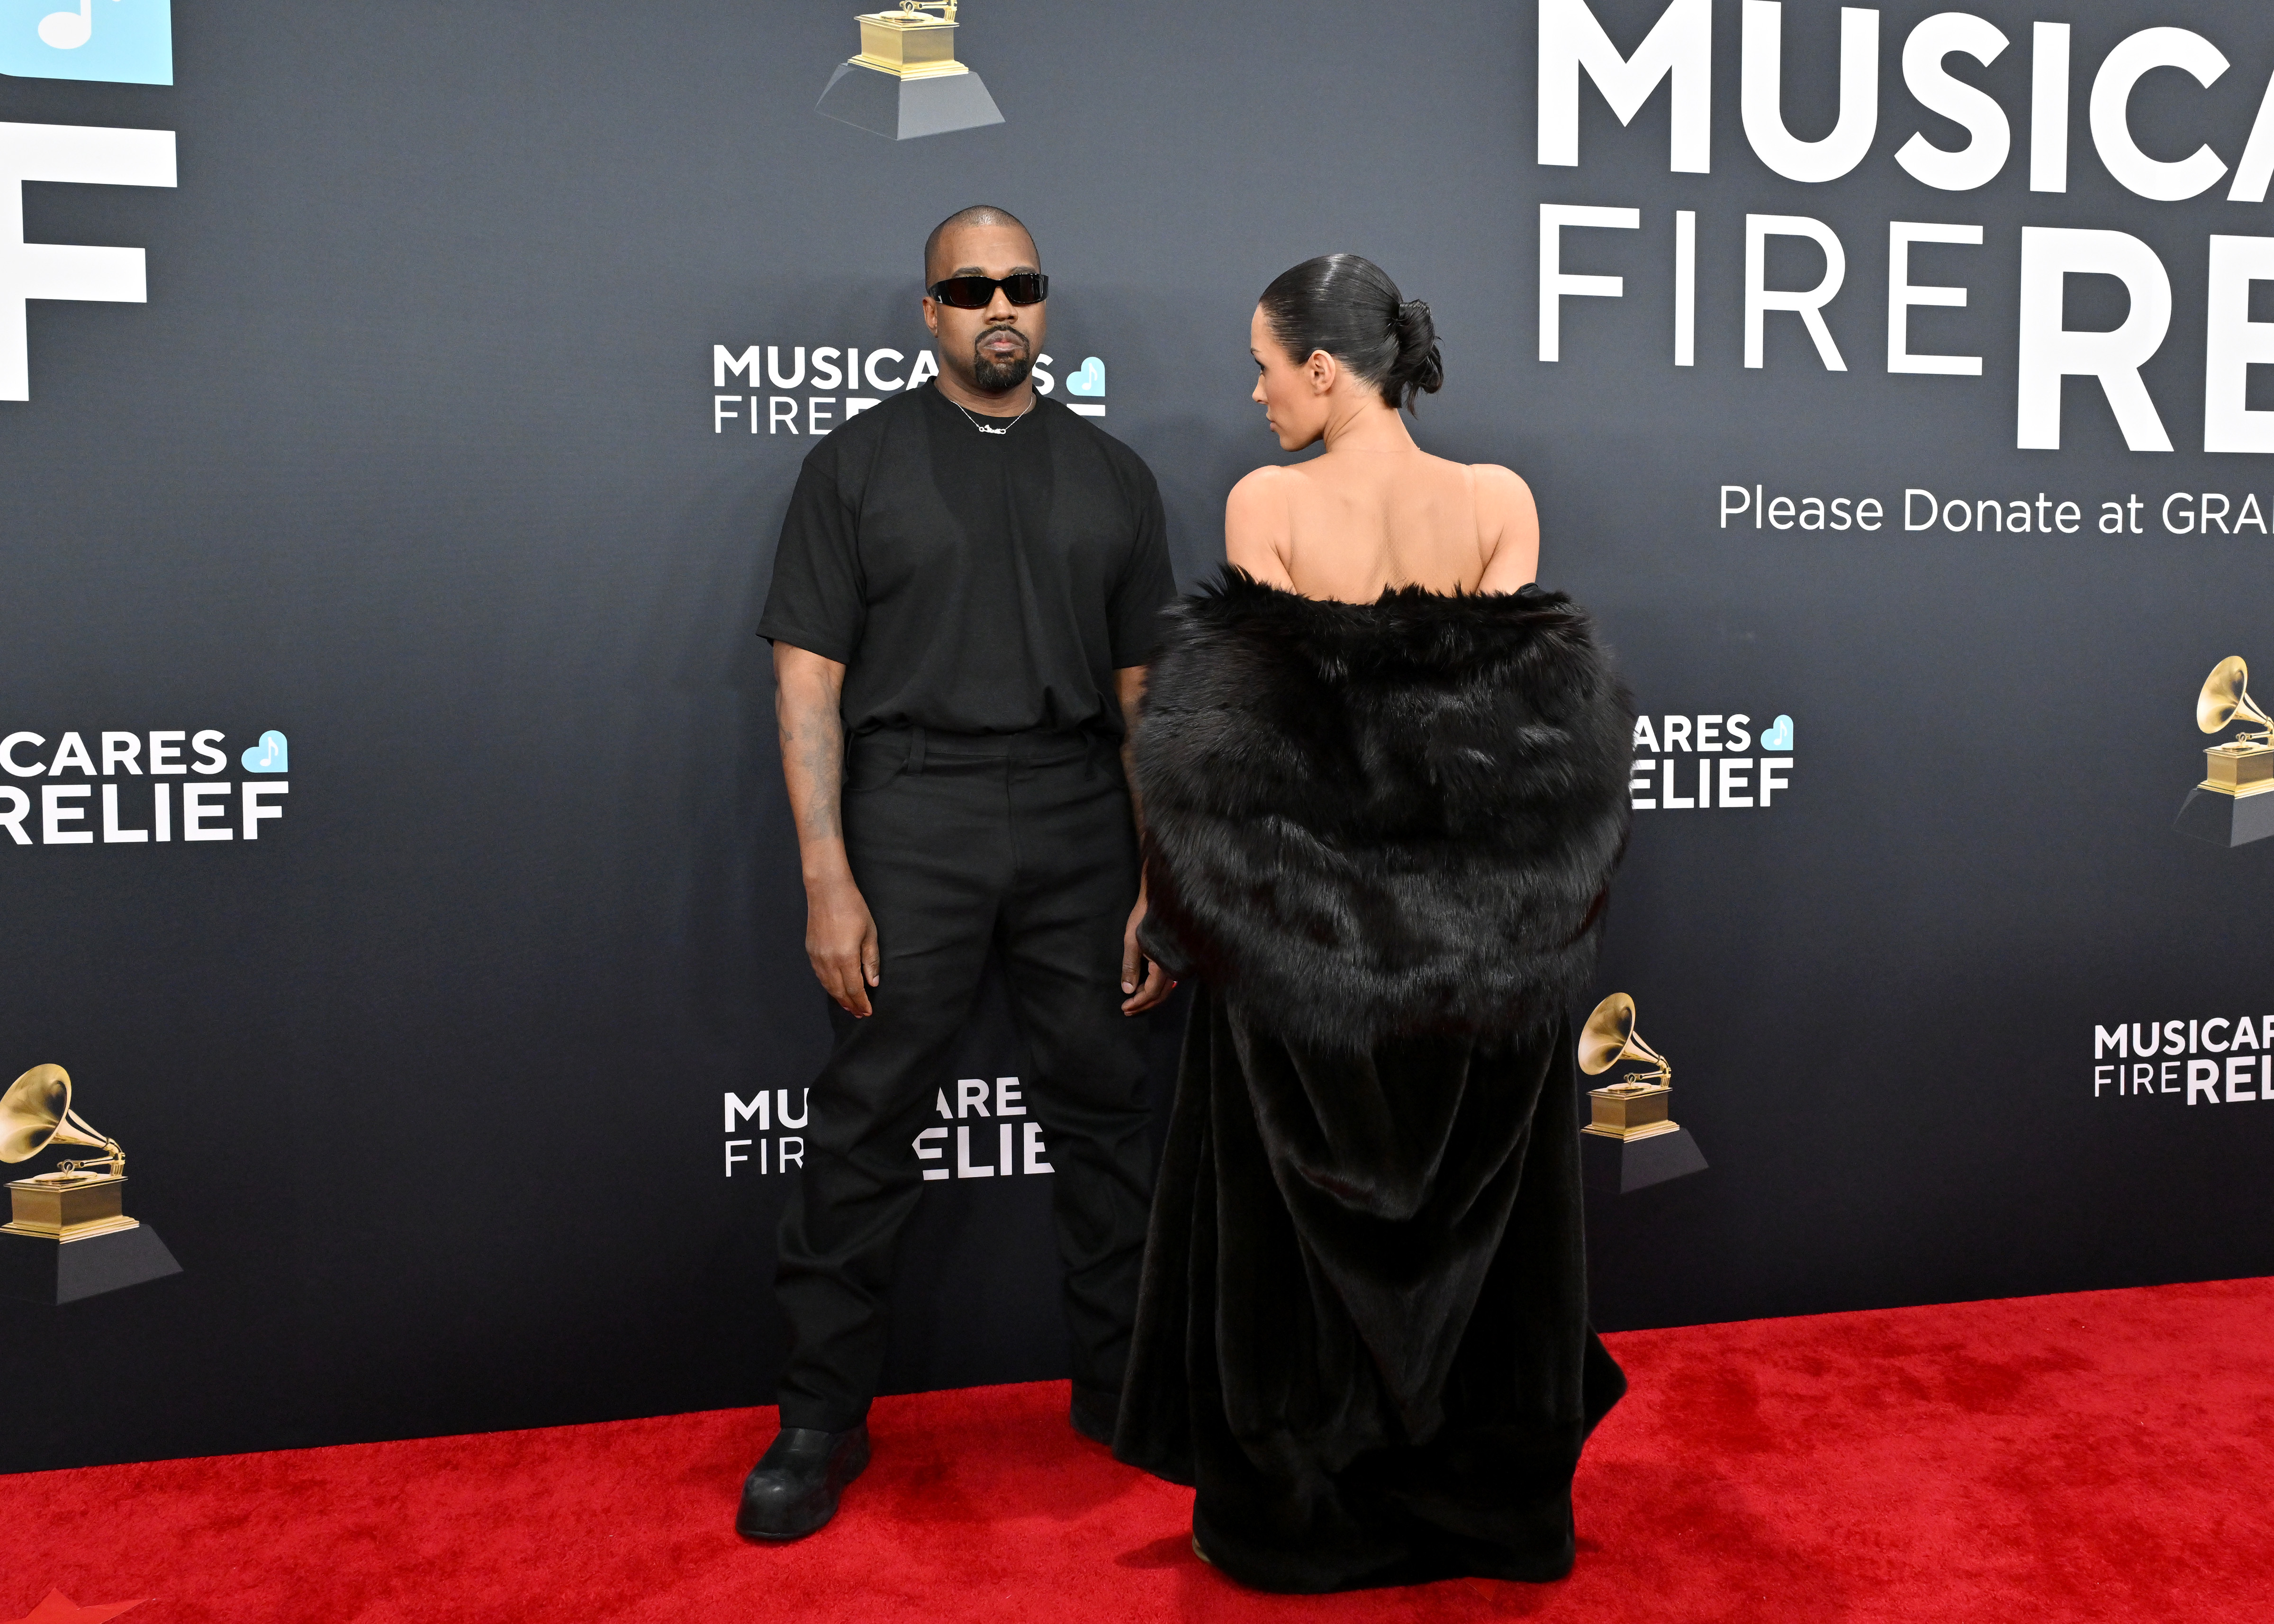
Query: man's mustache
1005 330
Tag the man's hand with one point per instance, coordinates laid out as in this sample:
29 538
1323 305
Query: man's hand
1129 688
1157 985
841 939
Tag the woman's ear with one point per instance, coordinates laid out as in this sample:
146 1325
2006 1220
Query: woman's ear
1321 369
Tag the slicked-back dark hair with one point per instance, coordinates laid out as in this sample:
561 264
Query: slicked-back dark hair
1347 305
977 214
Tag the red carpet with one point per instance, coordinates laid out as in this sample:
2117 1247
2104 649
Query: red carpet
2108 1455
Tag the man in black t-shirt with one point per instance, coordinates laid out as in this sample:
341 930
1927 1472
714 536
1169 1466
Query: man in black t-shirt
963 601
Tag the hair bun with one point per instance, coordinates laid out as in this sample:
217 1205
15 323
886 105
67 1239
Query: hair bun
1347 306
1420 368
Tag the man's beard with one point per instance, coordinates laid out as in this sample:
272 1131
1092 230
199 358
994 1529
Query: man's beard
993 377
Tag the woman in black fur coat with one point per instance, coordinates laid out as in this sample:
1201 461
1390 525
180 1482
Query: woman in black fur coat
1384 778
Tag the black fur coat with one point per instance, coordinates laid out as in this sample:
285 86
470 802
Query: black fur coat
1379 836
1367 820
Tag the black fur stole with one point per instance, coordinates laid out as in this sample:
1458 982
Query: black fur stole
1373 820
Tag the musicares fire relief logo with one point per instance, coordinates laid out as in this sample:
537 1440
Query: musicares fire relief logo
2033 119
136 801
2226 1060
1014 1149
1685 764
777 1149
1002 1158
820 387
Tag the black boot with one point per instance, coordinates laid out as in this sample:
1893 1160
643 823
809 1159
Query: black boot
793 1490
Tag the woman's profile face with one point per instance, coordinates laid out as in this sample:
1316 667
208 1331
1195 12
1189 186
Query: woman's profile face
1294 404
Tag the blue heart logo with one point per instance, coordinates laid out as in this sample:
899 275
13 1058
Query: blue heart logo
269 755
1090 380
119 42
1779 737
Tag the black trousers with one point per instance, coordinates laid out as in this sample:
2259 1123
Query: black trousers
963 845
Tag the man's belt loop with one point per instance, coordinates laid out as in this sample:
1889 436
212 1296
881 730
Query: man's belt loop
915 750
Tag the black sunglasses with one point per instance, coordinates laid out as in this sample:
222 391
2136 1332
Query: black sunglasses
978 292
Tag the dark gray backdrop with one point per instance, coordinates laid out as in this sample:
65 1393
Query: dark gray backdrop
410 456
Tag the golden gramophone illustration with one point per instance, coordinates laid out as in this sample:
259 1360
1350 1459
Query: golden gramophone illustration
75 1202
2244 764
911 42
1635 1107
906 81
2232 806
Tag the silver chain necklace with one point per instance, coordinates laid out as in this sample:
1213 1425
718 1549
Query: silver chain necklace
985 428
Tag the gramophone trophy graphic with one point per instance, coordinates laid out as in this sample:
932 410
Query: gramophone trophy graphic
68 1235
2234 804
907 82
1631 1141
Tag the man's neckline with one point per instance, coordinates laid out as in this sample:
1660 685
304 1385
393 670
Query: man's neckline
944 398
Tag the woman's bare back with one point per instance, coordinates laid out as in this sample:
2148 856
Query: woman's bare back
1362 519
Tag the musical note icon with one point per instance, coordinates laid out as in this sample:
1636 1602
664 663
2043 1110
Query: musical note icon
271 755
131 43
68 30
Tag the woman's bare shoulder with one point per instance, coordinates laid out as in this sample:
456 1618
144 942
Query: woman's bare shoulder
1504 504
1259 502
1269 481
1507 524
1501 484
1256 523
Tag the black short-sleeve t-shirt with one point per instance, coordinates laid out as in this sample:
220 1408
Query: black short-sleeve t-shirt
972 582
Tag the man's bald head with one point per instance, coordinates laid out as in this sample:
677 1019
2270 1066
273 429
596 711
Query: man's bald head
938 262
